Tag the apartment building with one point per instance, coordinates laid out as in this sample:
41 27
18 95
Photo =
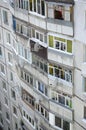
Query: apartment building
42 65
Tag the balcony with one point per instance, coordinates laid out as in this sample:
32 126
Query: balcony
60 57
61 85
37 20
63 112
63 27
38 49
21 14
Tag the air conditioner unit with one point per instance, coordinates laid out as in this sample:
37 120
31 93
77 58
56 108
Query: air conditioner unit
36 47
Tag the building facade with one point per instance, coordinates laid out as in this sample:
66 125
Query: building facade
42 65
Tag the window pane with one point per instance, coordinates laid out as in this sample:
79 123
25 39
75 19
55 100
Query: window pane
58 121
66 125
85 112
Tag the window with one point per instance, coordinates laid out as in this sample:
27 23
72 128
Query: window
5 17
10 57
11 76
60 44
41 87
29 99
60 72
63 99
22 29
84 84
7 116
2 69
13 94
42 111
58 121
23 4
42 65
84 112
60 12
14 110
4 85
62 123
0 106
28 78
37 6
0 51
16 126
8 38
66 125
28 118
6 101
1 119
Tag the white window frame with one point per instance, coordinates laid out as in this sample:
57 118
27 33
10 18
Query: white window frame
60 42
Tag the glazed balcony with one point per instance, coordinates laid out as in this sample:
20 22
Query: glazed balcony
60 57
60 84
38 21
64 112
60 16
63 27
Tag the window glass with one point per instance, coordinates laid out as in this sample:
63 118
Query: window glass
85 112
58 121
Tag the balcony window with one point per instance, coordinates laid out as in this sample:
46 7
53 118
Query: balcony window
22 29
41 87
62 123
30 120
60 44
66 125
40 64
60 72
63 99
37 6
60 12
23 4
24 52
42 111
58 121
28 78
